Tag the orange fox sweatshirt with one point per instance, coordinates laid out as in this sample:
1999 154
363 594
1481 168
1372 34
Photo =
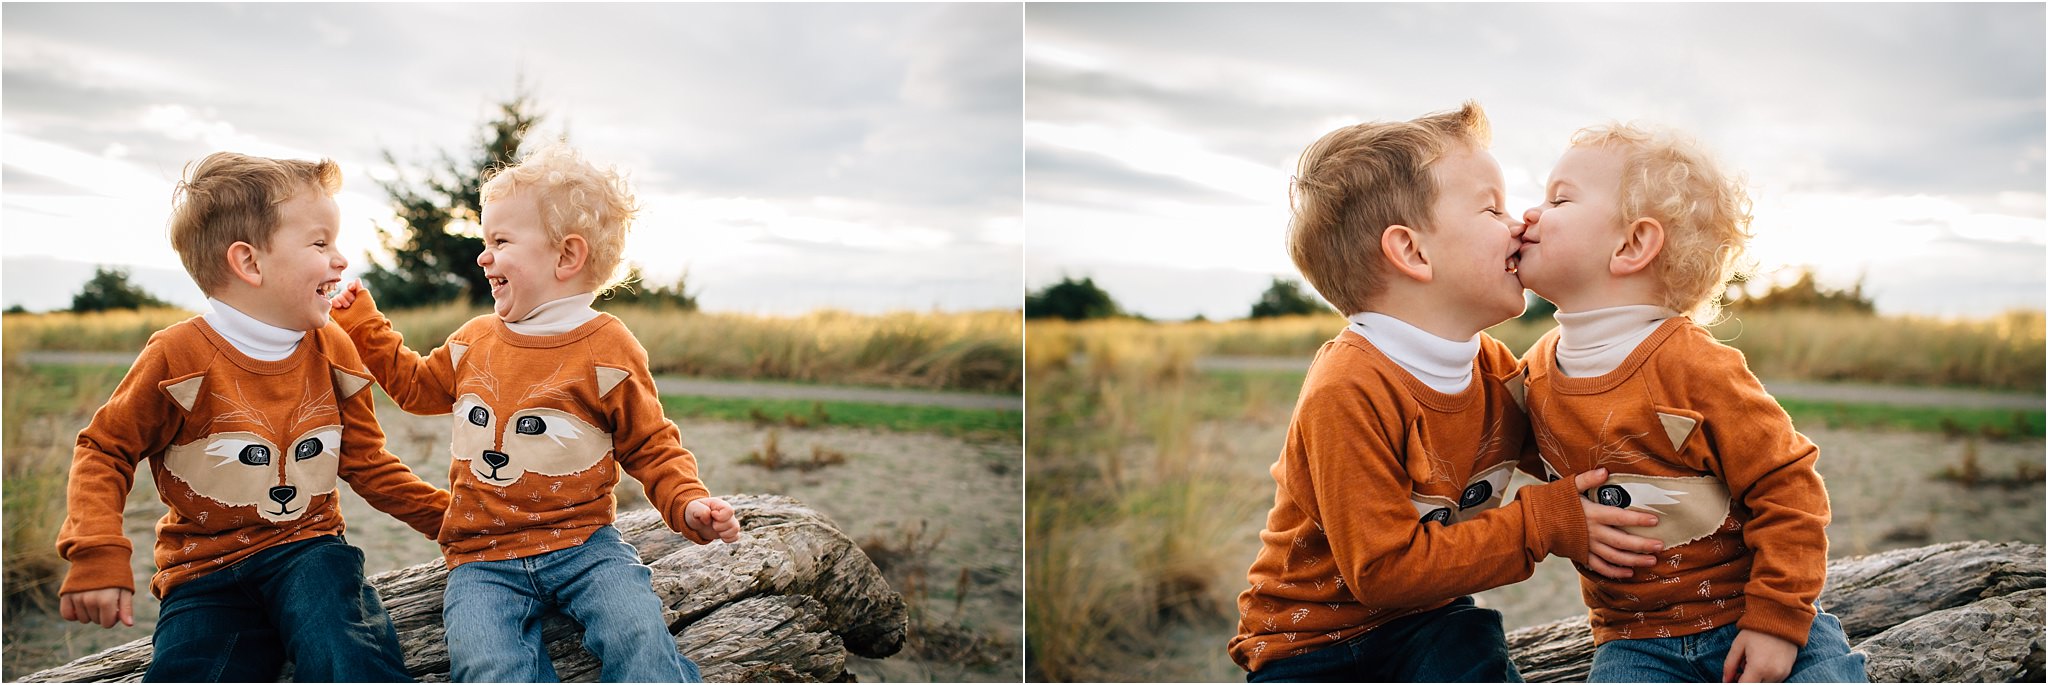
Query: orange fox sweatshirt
245 453
1690 435
542 427
1388 502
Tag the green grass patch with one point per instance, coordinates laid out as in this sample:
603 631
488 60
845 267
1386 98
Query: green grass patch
974 424
1997 424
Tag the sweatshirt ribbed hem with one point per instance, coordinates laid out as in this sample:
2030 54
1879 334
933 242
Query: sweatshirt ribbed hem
1789 623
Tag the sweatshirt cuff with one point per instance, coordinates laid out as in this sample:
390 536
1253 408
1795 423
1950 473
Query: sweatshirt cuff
1559 519
98 568
1789 623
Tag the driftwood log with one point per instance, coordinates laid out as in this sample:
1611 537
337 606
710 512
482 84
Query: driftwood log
786 603
1953 612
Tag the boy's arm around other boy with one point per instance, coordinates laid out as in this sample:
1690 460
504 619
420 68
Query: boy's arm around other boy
420 385
1351 467
376 474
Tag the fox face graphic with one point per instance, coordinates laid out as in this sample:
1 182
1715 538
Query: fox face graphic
502 434
240 468
501 445
1484 491
274 462
1687 508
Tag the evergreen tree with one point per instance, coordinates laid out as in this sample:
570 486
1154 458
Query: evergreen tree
1286 298
1801 293
111 289
1071 300
430 263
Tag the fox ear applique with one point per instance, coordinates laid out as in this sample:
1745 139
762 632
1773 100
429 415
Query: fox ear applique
1678 428
1518 387
608 378
455 350
184 391
347 384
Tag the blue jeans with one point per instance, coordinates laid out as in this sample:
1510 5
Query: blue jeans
305 602
493 612
1458 643
1699 658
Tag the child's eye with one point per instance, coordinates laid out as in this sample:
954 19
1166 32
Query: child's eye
1493 211
1558 201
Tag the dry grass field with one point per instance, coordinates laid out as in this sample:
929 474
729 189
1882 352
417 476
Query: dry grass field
976 351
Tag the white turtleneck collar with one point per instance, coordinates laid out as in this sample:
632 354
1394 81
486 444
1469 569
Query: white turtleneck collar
1443 365
556 317
250 336
1595 342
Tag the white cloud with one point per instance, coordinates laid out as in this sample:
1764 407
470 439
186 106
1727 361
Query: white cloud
840 138
1919 157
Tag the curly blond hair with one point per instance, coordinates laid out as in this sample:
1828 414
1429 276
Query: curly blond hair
1705 211
575 197
228 197
1356 181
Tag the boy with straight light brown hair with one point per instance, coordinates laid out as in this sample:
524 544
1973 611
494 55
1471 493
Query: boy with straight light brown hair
247 416
1387 511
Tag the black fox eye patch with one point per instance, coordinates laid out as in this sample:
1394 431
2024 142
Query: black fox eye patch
530 425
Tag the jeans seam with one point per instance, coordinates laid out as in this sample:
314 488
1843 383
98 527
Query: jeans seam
220 665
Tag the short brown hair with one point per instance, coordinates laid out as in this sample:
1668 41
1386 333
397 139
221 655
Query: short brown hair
574 197
229 197
1356 181
1704 209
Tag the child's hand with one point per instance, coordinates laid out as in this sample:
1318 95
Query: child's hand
346 297
711 517
1758 658
103 606
1612 550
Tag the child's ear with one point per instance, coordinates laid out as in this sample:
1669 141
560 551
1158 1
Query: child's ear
242 264
1641 242
1402 247
569 260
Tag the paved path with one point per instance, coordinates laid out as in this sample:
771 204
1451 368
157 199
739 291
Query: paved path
699 387
1846 393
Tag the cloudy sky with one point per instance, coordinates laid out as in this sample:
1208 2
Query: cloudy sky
863 157
1899 143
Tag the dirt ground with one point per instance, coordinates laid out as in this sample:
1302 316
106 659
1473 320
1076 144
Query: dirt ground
1882 487
947 513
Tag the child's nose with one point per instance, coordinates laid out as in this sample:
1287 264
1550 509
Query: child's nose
1530 216
340 261
484 258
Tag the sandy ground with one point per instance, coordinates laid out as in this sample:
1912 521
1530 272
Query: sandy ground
961 500
1882 487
